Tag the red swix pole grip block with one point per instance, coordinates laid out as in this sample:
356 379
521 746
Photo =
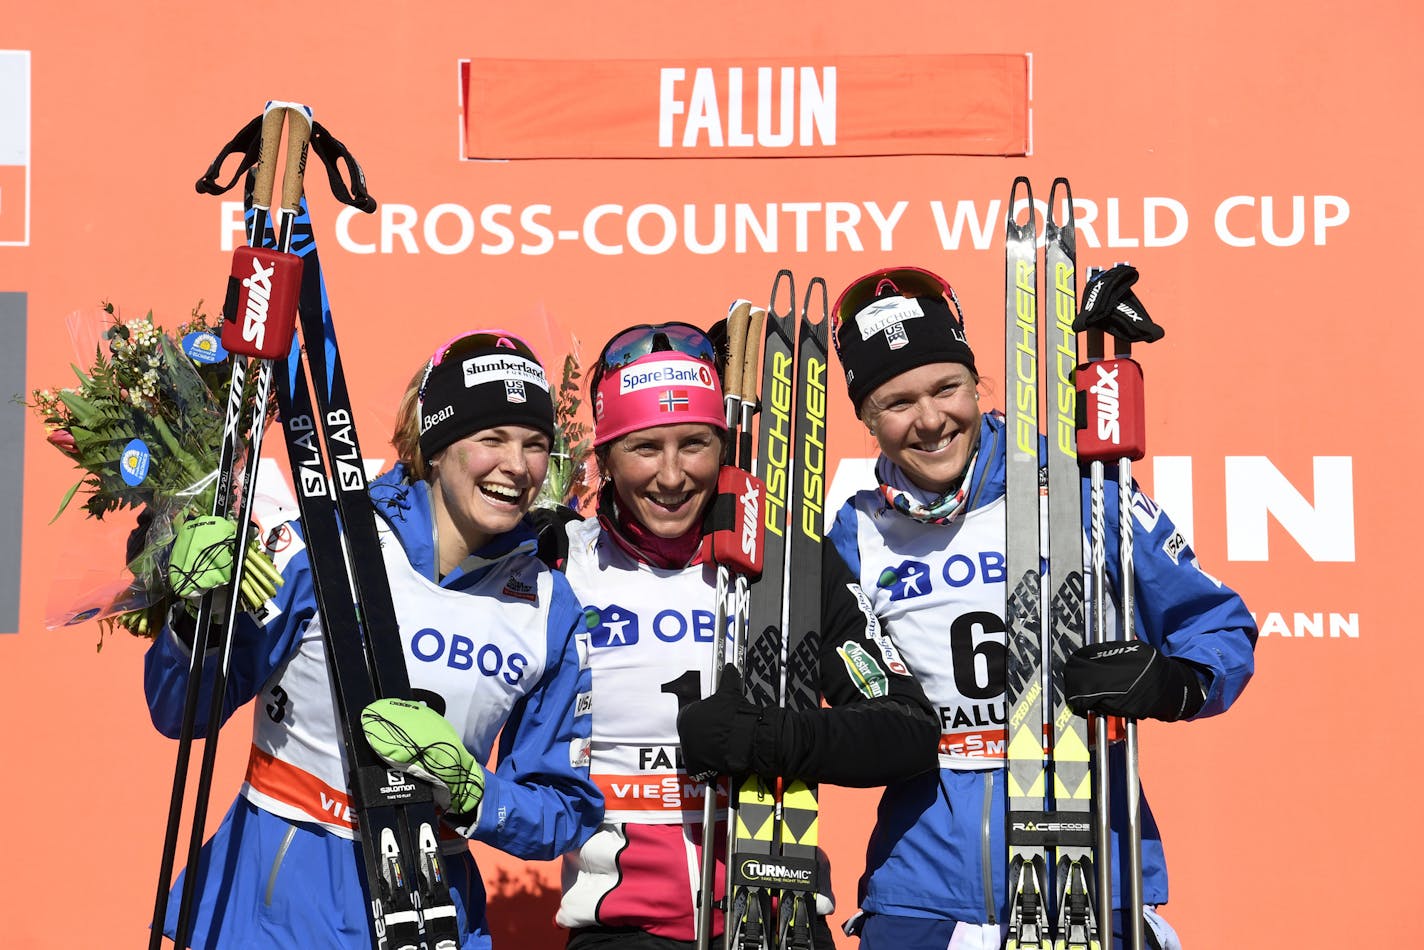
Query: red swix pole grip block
1113 424
738 521
260 311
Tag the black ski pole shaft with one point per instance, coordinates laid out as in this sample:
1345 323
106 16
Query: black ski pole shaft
1132 921
298 134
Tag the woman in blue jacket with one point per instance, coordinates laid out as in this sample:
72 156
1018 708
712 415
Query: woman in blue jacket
927 545
493 642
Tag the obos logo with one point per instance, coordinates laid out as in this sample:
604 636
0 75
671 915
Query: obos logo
909 579
134 462
611 626
661 374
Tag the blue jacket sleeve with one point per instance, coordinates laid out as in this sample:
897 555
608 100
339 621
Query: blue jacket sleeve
1181 609
258 650
540 802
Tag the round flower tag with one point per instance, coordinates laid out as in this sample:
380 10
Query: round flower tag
133 463
204 347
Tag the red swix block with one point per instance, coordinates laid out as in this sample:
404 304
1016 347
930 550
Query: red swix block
738 519
1112 427
260 312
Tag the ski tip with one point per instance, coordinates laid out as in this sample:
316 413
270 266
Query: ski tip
783 276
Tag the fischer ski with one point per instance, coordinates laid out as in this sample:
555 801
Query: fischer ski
773 821
1050 786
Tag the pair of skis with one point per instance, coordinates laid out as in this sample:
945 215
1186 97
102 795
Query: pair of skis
410 902
1059 835
773 820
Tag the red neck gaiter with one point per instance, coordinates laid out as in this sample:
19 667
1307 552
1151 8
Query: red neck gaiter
630 534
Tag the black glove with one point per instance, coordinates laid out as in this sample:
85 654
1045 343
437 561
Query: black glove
1132 679
1110 305
717 733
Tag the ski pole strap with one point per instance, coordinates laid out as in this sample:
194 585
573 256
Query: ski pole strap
333 154
246 143
327 147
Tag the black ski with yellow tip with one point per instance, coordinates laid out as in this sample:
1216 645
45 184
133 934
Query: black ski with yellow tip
1050 790
773 827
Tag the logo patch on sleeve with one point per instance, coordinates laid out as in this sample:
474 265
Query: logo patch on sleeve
1174 546
867 675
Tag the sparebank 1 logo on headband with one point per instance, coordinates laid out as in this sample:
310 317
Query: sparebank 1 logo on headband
661 374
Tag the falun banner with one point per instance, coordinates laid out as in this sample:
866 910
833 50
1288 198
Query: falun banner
751 107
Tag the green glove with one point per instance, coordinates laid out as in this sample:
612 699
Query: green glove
414 738
201 560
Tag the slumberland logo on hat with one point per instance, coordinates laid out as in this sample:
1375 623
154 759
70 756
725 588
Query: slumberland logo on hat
661 374
500 368
888 314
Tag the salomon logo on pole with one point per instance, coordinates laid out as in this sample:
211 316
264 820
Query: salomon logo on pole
259 292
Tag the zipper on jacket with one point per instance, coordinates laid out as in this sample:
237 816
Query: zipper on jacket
987 857
277 863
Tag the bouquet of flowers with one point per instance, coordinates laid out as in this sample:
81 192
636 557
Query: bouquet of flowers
143 425
571 478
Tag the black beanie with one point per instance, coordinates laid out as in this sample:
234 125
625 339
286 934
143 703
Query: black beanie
482 387
892 334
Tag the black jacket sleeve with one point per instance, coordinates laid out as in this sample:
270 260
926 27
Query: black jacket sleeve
879 728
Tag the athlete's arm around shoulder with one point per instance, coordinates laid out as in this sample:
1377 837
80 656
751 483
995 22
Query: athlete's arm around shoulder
880 727
260 647
539 802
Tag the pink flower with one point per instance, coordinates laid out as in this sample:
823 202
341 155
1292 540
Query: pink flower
64 441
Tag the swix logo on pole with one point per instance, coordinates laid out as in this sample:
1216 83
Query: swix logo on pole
751 500
259 292
1106 390
1113 421
738 512
260 311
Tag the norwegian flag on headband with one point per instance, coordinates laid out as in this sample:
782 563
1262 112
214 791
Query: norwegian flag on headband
674 400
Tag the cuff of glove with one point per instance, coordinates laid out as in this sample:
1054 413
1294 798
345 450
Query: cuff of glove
764 745
1192 691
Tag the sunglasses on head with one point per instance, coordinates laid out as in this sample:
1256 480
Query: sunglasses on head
462 343
908 281
637 342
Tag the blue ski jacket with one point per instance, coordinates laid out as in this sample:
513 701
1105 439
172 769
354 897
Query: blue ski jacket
938 849
497 646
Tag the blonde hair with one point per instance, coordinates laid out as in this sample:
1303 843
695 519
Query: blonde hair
406 438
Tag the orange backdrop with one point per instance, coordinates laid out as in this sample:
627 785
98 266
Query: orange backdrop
1241 155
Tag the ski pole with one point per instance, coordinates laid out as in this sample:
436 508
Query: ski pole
259 322
1112 390
268 127
737 318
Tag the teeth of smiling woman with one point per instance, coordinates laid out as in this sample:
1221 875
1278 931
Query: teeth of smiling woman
934 447
502 491
670 501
